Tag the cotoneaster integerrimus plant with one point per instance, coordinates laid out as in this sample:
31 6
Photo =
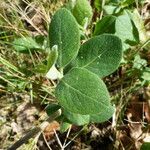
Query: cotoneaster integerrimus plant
81 93
78 66
80 56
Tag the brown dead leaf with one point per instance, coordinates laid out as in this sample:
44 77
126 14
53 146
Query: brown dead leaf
49 130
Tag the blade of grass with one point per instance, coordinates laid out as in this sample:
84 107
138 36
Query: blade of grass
9 65
7 81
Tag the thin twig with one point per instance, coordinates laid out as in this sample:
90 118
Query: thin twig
67 136
46 141
58 140
74 137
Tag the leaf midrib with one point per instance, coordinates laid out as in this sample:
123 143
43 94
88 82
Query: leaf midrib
84 94
60 39
99 56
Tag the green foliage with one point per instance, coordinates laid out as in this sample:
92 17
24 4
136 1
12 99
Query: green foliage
77 119
68 66
99 4
126 30
136 18
51 108
127 2
82 11
145 146
103 116
124 26
146 75
81 94
52 57
64 33
40 68
139 63
25 44
101 54
111 10
9 65
106 25
64 126
78 92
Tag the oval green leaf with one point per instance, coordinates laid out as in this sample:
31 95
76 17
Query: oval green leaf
64 32
82 92
82 10
101 54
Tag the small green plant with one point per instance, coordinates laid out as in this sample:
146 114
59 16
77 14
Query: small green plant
78 68
78 61
81 93
67 70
